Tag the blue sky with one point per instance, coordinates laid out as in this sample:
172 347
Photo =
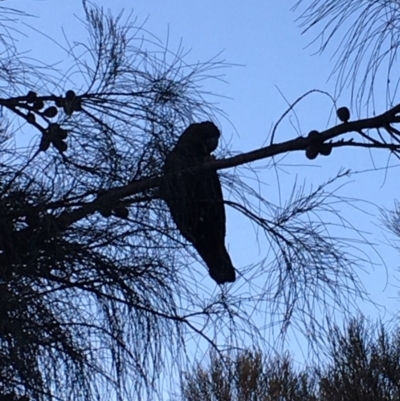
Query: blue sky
271 65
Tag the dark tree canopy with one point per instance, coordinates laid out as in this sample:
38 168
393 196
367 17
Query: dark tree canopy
195 198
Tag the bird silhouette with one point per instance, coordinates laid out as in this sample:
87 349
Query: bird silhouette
195 199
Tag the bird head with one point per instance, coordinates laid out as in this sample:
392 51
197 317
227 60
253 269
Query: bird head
210 135
201 137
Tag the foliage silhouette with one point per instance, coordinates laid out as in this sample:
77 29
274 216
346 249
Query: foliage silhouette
98 290
363 363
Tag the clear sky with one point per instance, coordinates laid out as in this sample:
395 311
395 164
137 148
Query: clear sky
273 66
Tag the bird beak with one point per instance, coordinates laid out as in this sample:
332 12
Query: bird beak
211 143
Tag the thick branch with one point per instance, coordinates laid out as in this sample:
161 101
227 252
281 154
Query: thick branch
298 144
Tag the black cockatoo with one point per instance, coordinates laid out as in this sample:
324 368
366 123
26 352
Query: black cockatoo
195 198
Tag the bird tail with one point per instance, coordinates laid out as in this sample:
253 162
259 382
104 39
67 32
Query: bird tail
219 264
